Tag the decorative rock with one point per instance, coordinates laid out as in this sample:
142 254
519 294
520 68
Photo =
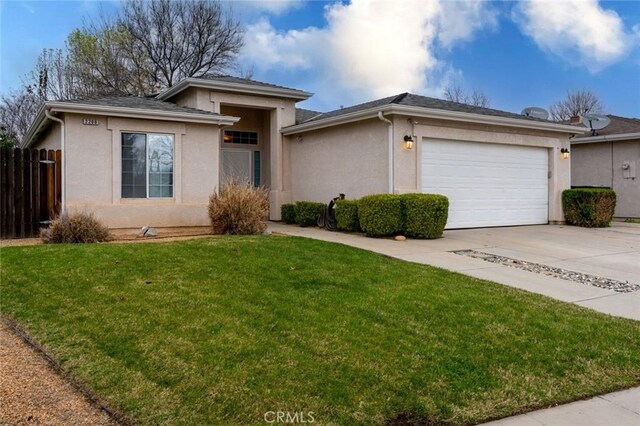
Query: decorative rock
601 282
151 232
147 231
400 238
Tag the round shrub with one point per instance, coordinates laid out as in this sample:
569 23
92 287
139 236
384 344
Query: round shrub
79 227
347 215
239 208
288 213
589 207
380 215
306 212
425 215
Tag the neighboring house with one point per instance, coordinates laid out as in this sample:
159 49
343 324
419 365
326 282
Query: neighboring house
136 161
611 159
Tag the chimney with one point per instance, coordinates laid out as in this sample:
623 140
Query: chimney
575 120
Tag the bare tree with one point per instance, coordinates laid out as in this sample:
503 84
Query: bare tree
149 46
182 38
577 102
17 111
455 93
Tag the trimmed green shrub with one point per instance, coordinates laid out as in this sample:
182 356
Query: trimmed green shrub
380 215
425 215
589 207
347 215
288 213
306 212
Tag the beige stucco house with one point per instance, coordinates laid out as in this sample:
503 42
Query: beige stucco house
154 161
611 159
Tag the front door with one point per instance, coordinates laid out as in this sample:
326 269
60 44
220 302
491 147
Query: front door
236 165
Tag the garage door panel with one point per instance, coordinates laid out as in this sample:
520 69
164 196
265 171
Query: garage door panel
487 184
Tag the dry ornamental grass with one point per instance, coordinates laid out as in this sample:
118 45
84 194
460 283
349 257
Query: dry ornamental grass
77 227
239 209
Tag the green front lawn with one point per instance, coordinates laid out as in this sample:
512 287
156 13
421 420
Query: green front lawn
222 330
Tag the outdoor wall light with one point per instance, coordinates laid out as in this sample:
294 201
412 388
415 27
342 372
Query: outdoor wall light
564 152
408 142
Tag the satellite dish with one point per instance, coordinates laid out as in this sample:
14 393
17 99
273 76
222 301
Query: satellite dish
536 112
596 121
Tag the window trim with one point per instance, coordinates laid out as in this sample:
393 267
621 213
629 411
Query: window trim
147 162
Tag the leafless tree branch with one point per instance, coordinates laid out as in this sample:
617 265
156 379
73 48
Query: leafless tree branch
577 102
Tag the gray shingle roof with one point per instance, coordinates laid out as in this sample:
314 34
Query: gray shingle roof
137 102
239 80
303 115
620 125
409 99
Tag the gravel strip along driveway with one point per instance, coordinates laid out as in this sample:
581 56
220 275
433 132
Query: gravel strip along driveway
615 285
32 392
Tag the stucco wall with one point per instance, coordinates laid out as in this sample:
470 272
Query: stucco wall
353 158
349 159
51 138
94 163
600 164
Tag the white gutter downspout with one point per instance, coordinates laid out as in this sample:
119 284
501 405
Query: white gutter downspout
63 168
390 143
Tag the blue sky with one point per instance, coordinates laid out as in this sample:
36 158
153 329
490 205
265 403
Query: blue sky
519 53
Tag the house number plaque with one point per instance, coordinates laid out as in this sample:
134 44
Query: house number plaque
90 122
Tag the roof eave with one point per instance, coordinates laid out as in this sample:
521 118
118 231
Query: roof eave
138 113
605 138
251 89
431 113
38 123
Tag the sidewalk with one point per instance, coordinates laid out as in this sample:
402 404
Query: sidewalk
613 409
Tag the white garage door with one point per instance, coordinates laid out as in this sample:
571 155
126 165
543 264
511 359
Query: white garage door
487 184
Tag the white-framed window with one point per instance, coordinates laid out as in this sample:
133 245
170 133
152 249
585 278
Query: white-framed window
147 165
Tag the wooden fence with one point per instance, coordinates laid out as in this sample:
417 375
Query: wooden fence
30 190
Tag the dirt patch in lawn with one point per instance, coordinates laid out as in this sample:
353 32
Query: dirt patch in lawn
129 235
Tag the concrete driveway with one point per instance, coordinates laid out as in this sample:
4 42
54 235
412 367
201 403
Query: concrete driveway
612 253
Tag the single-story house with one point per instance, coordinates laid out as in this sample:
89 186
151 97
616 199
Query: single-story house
135 161
611 158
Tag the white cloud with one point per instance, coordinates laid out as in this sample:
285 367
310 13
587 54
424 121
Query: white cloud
580 31
370 49
268 48
461 19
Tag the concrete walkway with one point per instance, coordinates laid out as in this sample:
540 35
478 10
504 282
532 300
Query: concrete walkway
606 252
609 252
613 409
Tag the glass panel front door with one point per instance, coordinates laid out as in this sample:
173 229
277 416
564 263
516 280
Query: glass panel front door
236 165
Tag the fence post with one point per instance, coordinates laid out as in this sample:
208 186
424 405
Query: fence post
11 223
18 192
27 228
35 191
51 181
5 155
43 214
58 182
